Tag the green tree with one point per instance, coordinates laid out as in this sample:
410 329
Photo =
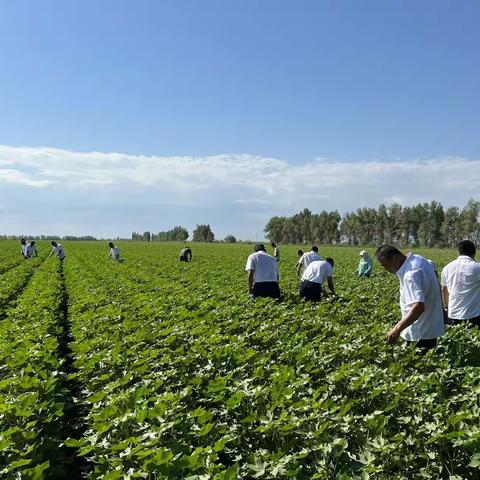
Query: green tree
203 233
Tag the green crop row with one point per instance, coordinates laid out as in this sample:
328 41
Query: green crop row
32 392
184 377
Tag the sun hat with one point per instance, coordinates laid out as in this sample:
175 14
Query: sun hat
363 253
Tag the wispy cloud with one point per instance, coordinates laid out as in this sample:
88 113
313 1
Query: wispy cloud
249 184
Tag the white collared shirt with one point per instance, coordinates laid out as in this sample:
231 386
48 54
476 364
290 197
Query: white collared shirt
462 279
264 266
308 258
318 271
30 250
419 284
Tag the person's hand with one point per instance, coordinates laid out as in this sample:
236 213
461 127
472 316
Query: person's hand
392 335
446 319
252 296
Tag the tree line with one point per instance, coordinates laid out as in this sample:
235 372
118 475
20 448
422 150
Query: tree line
202 233
422 225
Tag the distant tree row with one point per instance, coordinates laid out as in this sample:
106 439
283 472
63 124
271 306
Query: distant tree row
202 233
426 225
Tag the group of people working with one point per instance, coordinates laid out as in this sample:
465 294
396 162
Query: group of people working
426 305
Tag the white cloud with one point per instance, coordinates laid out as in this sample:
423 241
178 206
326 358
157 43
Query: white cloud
246 184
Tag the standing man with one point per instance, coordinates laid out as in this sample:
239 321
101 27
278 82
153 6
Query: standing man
420 303
31 250
307 258
461 286
23 246
263 274
276 252
314 277
114 252
57 249
185 255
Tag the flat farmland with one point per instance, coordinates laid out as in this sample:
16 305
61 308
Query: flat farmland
154 368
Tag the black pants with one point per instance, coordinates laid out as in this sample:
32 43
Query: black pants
183 259
310 290
424 344
266 289
472 321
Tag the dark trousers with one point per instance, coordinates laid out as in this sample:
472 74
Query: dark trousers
310 290
266 289
472 321
424 344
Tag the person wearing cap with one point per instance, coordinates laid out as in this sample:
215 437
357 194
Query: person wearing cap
314 277
114 252
263 274
185 255
308 258
365 265
422 319
461 286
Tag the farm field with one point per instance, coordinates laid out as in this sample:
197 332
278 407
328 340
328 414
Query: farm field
157 369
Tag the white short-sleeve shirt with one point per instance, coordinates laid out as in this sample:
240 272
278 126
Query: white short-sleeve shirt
30 250
419 283
59 252
264 266
462 279
308 258
115 253
318 271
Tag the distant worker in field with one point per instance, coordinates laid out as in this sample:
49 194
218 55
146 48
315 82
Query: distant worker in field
185 255
276 251
23 246
114 252
263 274
31 250
57 250
365 265
461 286
314 277
308 258
420 302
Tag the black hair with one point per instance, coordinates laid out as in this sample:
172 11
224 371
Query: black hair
23 241
111 245
299 252
32 242
258 247
273 244
467 247
315 249
387 251
53 243
330 261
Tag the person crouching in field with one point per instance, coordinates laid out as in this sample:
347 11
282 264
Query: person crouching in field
365 265
314 276
461 286
114 252
263 274
185 255
423 317
307 258
57 249
276 251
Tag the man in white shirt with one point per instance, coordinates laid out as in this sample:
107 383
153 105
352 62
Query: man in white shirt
276 251
308 258
314 277
262 274
57 249
461 286
31 250
420 301
23 246
114 252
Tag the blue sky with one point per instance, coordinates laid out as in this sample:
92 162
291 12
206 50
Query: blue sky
239 92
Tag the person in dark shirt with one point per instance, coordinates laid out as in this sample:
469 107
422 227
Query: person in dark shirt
185 255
